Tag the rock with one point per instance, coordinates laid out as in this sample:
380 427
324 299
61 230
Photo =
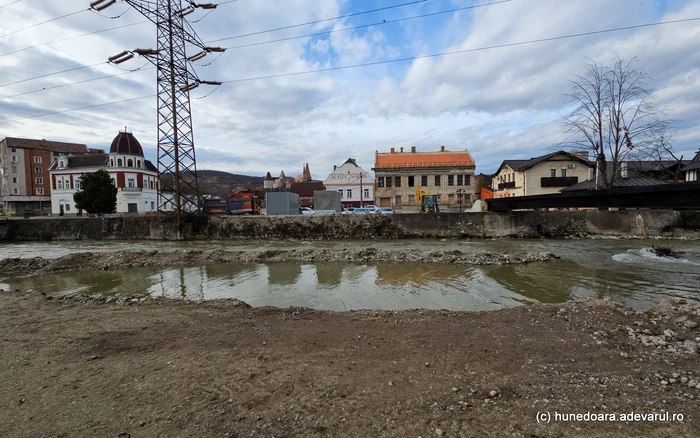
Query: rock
493 393
664 382
455 389
669 333
439 432
691 346
674 375
672 381
692 383
690 324
684 379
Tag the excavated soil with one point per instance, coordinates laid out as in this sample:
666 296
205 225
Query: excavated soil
161 368
128 259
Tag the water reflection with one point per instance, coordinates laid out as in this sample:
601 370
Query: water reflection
329 274
283 272
396 274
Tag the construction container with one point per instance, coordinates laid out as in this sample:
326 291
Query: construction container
279 203
327 202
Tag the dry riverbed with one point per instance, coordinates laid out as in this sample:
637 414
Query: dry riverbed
80 367
128 259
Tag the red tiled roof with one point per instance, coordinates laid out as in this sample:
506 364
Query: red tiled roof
424 159
54 146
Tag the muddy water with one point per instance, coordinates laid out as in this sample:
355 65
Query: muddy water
626 271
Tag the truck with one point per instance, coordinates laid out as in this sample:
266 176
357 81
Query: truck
427 203
240 202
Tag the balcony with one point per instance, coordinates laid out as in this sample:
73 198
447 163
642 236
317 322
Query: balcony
506 185
131 189
560 181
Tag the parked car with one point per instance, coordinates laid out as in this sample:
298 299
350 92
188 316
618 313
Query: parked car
360 211
385 210
442 209
306 210
371 208
348 210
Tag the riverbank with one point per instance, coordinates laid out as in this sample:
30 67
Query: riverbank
86 261
78 368
519 224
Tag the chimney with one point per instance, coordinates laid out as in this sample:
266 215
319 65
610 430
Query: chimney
442 148
623 170
580 154
402 150
413 149
393 150
335 167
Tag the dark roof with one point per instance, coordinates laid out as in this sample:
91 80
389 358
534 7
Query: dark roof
306 188
652 165
268 177
619 182
126 143
87 160
351 161
150 166
54 146
693 165
519 165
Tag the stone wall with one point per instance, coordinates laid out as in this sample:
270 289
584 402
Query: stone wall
468 225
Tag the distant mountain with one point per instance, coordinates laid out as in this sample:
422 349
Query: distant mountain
215 182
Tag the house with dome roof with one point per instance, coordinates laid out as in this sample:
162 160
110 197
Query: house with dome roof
135 177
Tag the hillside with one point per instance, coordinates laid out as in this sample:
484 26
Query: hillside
215 182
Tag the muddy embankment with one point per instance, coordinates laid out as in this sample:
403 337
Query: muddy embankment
130 259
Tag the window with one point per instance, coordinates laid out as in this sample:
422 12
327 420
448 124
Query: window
37 170
424 180
366 194
411 199
119 162
450 180
59 184
380 181
138 163
450 199
67 207
397 181
349 191
411 181
460 180
111 162
77 184
15 159
37 160
62 163
397 200
129 163
14 150
341 193
437 180
39 180
467 180
563 173
14 180
14 169
131 183
15 191
40 191
153 205
387 181
553 173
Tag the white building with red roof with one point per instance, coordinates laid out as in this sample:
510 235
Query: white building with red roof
135 177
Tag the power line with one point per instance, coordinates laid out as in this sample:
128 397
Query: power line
44 22
10 4
319 21
73 37
617 29
76 109
454 52
379 23
52 74
76 83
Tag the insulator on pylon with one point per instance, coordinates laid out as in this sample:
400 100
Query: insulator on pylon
189 87
146 52
210 82
187 11
122 57
197 56
206 6
100 5
215 49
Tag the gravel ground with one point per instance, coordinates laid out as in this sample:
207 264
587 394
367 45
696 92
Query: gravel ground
81 367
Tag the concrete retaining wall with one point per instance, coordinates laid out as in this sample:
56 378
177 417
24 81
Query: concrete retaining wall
473 225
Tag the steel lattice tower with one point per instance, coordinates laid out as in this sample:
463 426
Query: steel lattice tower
177 164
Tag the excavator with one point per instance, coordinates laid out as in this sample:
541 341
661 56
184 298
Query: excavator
426 203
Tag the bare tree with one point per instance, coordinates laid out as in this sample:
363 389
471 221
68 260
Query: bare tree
612 117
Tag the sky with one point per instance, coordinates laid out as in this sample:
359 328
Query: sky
500 103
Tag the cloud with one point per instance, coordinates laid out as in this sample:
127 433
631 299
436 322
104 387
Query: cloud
499 103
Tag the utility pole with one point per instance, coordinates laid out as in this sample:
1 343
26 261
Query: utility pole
178 190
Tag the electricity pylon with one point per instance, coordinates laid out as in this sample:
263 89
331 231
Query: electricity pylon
177 166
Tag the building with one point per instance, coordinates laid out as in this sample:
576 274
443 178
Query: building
305 190
692 169
135 177
444 173
627 176
281 183
541 175
355 185
24 172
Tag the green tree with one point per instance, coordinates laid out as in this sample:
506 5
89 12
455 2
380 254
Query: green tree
97 194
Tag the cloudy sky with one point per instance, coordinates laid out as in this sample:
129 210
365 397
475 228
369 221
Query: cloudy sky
499 103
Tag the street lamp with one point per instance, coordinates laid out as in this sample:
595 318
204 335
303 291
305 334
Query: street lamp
361 199
460 193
